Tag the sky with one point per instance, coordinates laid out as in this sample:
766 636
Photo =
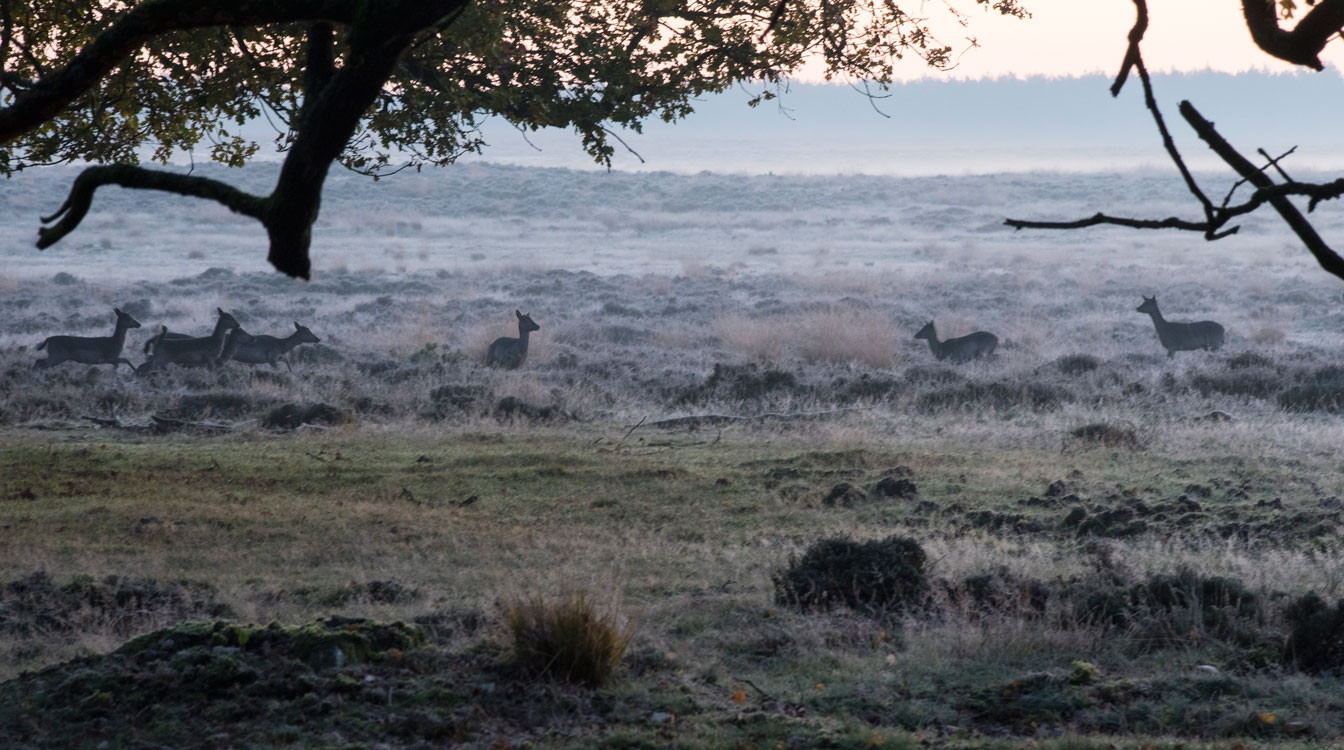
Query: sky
1032 96
1082 37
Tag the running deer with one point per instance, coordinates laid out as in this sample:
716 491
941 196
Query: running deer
962 349
89 350
221 327
190 352
1182 337
271 349
510 353
236 339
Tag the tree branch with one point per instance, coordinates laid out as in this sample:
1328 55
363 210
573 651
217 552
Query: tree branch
1100 218
128 33
1327 257
128 176
1302 45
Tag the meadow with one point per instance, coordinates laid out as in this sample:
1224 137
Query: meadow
1116 549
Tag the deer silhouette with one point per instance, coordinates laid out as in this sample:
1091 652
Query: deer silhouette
510 353
271 349
89 350
1182 337
960 349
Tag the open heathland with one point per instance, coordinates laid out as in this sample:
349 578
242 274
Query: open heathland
727 500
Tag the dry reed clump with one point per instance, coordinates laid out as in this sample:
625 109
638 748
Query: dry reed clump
878 577
843 337
762 339
571 639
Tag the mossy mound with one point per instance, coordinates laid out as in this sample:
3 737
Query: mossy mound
253 685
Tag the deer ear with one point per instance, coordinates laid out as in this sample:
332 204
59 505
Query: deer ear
519 313
297 327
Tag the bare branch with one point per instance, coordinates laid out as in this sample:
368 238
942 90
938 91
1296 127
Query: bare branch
1302 45
1100 218
49 95
128 176
1327 257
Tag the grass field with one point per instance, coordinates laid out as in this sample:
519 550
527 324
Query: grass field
680 533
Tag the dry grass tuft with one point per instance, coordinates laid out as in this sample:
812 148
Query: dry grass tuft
570 639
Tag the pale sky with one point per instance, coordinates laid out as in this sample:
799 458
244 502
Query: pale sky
1079 37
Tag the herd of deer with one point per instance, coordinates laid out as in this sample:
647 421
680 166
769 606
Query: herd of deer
230 342
227 342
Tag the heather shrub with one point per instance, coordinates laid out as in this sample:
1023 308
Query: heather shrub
879 576
1077 364
1315 640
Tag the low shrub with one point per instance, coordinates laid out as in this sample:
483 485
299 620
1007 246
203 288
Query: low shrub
291 416
1315 640
1106 434
872 577
1251 382
997 395
1077 364
570 639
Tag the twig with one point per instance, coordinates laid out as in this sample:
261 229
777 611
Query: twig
636 427
753 686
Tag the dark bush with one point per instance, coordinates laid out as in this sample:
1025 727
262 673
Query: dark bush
1321 389
221 404
741 383
1077 364
1109 435
1315 634
1168 608
922 375
897 487
1247 360
872 577
291 416
1255 383
997 395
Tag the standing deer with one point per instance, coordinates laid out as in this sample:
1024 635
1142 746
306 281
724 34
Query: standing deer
190 352
962 349
89 350
508 352
271 349
1182 337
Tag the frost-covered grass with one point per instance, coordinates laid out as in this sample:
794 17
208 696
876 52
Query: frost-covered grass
665 296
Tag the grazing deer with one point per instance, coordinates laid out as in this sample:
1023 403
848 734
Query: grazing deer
271 349
89 350
962 349
510 353
1182 337
190 352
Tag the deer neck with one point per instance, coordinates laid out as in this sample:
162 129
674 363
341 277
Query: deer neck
1158 320
119 334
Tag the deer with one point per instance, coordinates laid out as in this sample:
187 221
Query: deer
271 349
221 327
1182 337
235 339
961 349
186 351
89 350
510 353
